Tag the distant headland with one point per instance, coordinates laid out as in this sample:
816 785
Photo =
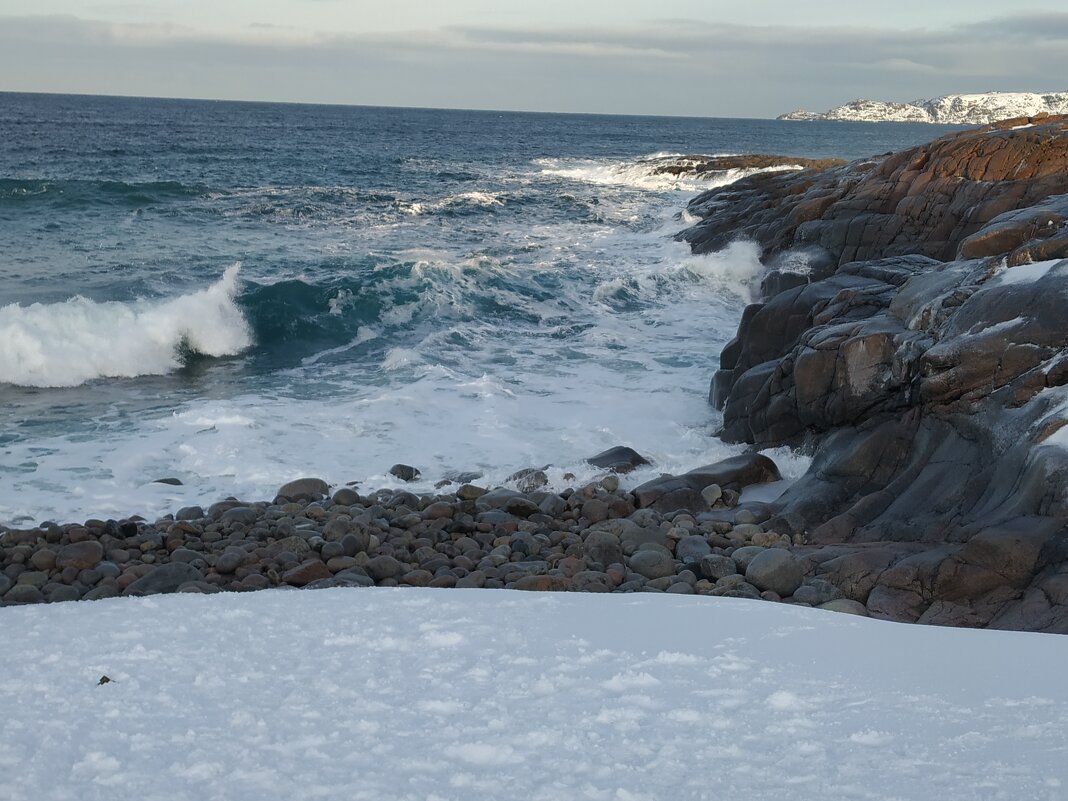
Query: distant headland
976 109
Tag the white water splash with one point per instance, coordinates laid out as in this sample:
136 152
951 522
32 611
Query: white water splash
66 344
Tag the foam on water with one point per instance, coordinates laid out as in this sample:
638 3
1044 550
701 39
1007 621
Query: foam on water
647 173
66 344
557 338
498 398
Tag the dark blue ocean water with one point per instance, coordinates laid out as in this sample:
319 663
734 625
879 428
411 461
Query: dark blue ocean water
456 289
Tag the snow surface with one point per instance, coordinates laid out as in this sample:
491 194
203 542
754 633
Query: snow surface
1024 273
959 109
477 694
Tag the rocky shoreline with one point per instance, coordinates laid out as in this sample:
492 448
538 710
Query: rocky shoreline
921 353
912 334
594 538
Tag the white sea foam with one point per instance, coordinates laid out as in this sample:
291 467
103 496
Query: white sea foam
646 173
66 344
565 338
485 200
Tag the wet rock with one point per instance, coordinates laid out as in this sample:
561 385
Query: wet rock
173 482
619 459
684 492
189 513
246 515
529 479
304 489
346 496
404 472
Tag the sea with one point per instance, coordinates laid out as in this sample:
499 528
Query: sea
231 295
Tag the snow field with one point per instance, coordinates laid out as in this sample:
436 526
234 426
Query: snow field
430 695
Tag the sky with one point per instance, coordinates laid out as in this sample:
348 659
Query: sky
727 58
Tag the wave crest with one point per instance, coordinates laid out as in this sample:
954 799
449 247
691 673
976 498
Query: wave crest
66 344
657 172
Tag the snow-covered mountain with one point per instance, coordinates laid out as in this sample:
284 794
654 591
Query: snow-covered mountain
977 109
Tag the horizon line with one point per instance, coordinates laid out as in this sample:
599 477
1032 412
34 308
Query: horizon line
344 104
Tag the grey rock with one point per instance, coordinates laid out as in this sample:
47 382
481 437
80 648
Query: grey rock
847 606
64 592
817 591
671 493
554 506
744 555
304 489
24 594
529 479
680 588
603 546
165 578
405 472
384 567
777 570
35 578
5 584
652 564
716 566
189 513
230 560
295 544
346 496
619 459
101 591
355 542
692 549
711 494
241 514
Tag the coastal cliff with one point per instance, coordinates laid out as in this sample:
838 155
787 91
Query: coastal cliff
921 352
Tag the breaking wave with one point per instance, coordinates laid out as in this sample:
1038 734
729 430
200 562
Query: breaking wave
66 344
658 172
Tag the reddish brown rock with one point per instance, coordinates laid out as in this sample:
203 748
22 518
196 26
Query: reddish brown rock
543 583
80 555
312 570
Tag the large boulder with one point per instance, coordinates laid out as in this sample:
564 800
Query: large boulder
304 489
776 570
619 459
672 493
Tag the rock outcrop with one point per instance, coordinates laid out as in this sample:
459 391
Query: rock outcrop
700 165
923 355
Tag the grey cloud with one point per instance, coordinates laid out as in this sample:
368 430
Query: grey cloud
664 67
